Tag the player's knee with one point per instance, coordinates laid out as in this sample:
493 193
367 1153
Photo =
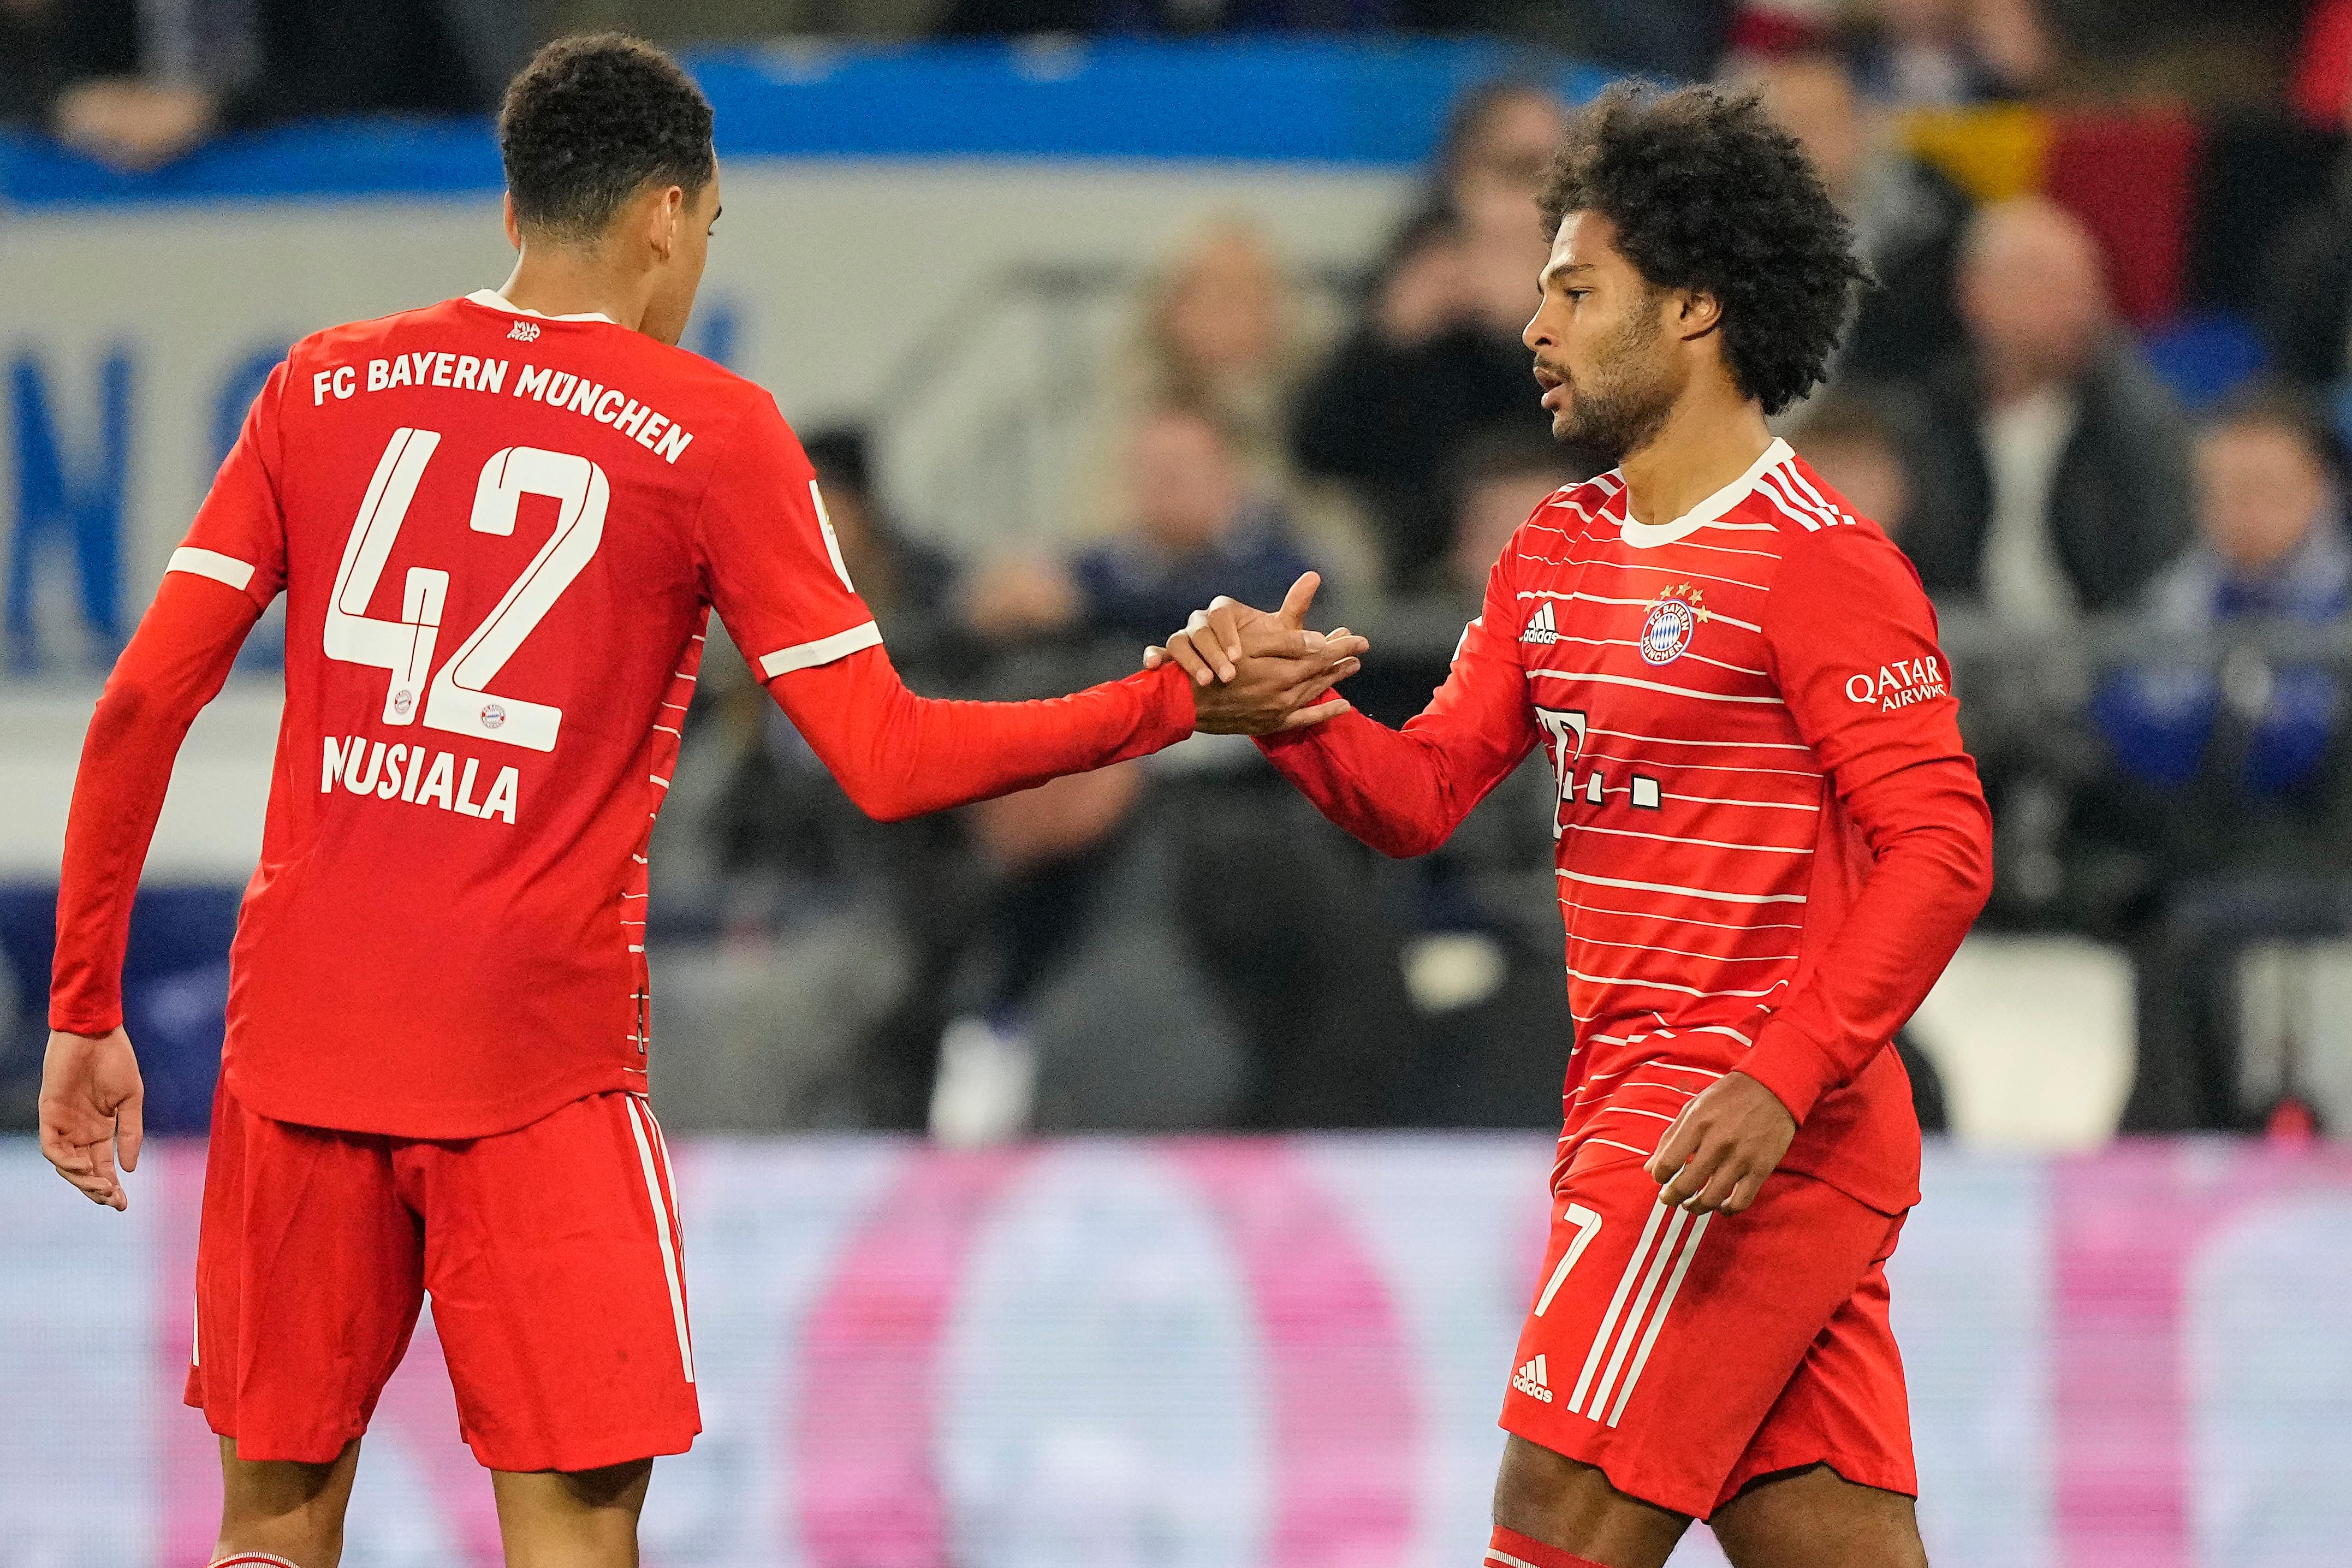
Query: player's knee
1571 1506
1528 1487
281 1511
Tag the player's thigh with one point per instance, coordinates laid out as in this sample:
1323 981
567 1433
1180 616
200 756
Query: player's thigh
556 1273
1658 1339
308 1276
1815 1518
1845 1406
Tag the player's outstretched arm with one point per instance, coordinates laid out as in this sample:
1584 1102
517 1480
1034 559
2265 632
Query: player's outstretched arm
176 662
1401 791
901 755
775 571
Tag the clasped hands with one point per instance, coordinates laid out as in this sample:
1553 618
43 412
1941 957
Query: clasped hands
1256 673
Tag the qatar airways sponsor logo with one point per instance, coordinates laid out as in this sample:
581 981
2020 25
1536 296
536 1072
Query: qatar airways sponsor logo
418 775
1905 683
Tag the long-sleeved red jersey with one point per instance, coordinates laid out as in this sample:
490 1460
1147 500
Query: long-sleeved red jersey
1771 840
500 537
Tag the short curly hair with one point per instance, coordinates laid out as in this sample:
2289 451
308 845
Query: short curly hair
1707 194
589 122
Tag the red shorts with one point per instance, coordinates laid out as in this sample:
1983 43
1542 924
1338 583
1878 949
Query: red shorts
551 1253
1686 1355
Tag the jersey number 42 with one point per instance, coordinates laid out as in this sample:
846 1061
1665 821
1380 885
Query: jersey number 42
459 699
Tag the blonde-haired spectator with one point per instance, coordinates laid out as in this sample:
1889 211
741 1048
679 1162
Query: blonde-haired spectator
1223 330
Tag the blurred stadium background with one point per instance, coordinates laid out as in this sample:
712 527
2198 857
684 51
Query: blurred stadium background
1090 308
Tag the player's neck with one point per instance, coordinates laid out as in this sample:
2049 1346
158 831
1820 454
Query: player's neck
555 281
1705 444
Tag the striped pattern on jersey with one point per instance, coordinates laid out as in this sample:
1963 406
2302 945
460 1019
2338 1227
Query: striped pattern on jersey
1689 805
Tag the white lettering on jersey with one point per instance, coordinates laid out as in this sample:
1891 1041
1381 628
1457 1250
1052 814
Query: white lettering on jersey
366 768
1902 684
657 433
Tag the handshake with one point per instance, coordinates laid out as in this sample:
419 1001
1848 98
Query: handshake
1256 673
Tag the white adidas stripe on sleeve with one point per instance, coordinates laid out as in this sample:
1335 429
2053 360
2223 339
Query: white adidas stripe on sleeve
211 564
824 650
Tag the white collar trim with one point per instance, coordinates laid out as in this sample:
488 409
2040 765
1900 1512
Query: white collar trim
1650 535
498 302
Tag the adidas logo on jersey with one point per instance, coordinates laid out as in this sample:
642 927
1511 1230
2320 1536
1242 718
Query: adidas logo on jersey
1540 627
1530 1379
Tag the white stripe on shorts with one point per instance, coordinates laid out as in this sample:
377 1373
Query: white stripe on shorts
1665 1305
639 1118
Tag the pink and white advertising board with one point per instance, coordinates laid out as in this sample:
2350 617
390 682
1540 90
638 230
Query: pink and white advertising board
1248 1355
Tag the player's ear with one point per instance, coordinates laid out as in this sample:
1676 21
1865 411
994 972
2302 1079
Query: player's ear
514 229
667 211
1697 313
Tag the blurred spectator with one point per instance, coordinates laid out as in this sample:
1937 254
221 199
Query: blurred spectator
2225 815
1197 528
1222 328
1907 215
2052 465
1859 451
1501 478
1437 356
1932 54
1220 333
137 83
2272 545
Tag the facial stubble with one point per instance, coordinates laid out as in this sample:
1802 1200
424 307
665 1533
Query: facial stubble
1627 403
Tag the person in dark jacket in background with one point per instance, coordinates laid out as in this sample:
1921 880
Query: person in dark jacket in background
1194 528
2051 466
2240 761
1907 215
1438 358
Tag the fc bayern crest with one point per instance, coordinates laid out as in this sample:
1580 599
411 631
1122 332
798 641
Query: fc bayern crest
1674 616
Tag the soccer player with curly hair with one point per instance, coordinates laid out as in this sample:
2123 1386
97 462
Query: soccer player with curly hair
1769 843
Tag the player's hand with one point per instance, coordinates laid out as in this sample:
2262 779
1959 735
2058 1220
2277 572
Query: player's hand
1723 1146
91 1099
1256 673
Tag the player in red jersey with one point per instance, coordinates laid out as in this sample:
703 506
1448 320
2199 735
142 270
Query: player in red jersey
501 524
1769 843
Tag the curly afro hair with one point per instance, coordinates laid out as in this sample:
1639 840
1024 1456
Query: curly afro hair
1707 194
589 122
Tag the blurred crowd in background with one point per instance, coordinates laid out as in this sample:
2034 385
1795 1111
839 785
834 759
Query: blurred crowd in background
2097 395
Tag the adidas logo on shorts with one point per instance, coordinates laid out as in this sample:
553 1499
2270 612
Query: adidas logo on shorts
1541 628
1531 1381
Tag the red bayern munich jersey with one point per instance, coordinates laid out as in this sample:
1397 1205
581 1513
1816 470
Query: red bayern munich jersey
499 536
1715 695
